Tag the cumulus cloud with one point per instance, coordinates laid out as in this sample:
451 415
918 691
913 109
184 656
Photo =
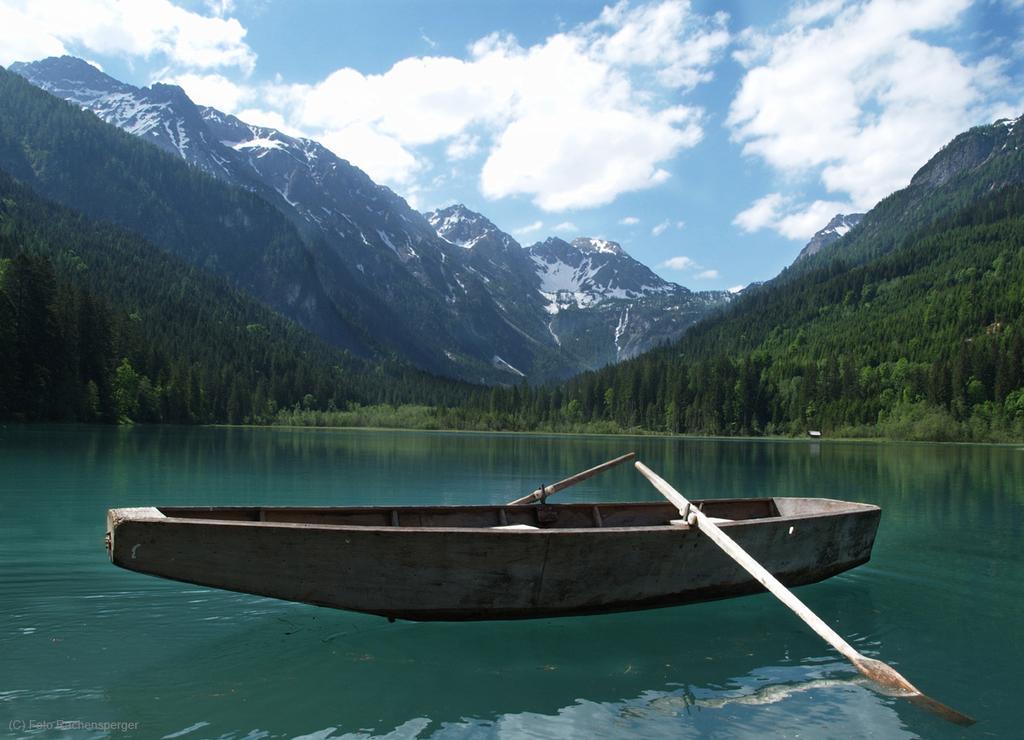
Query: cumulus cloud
30 29
629 221
707 275
660 229
572 121
679 263
762 212
790 218
566 227
857 94
212 89
666 37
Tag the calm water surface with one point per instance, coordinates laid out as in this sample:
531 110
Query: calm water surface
81 640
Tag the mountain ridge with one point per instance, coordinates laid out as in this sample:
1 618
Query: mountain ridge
384 265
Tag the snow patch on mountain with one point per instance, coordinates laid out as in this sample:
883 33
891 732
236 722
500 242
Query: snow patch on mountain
256 143
592 244
590 271
620 329
500 364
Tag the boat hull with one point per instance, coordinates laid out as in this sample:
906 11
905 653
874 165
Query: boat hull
474 573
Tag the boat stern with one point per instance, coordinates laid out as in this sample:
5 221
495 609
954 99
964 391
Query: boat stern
116 518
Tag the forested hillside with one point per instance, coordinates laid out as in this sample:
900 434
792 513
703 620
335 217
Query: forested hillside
925 342
96 324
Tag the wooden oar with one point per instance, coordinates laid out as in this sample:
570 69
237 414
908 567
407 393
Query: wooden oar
544 491
881 673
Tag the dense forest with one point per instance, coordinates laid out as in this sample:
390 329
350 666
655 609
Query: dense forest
96 324
924 342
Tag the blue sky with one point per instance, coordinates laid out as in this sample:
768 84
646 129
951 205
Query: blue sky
710 139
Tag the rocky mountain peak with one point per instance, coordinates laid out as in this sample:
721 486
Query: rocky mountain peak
838 227
968 151
459 225
72 79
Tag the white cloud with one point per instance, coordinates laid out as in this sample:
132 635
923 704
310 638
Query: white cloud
855 95
791 219
30 29
267 119
809 12
463 146
802 222
566 226
212 89
679 263
23 38
661 228
572 121
667 37
682 263
629 221
762 213
529 228
391 161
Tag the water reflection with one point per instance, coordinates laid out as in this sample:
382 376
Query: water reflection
356 674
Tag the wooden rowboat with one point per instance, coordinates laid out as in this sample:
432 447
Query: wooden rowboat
492 562
519 561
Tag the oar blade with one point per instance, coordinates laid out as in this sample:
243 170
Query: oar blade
893 682
885 676
937 707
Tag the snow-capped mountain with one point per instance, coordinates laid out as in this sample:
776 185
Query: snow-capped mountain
450 292
589 271
838 227
607 306
591 297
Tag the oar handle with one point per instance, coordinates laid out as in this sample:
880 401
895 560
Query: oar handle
545 491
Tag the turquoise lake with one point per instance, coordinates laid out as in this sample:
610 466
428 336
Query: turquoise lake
82 641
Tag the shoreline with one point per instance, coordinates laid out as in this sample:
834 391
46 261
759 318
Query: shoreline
578 435
626 435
